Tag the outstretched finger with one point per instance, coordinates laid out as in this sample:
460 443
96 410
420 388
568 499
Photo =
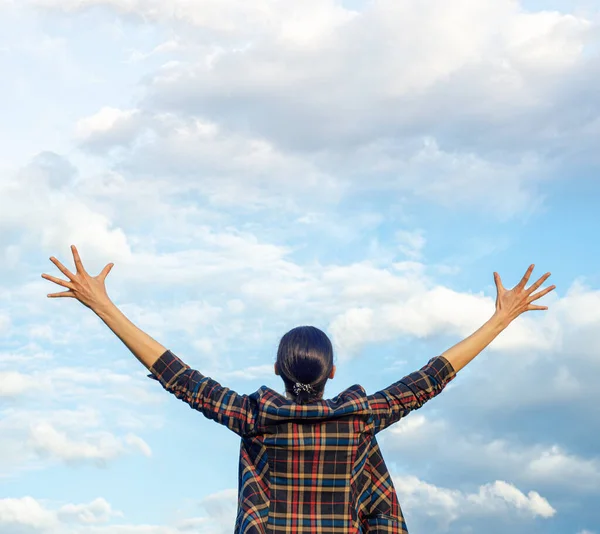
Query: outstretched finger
62 268
102 276
541 293
534 307
498 281
78 264
538 283
62 294
58 281
526 276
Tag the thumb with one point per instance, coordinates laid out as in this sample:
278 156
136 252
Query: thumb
498 282
105 271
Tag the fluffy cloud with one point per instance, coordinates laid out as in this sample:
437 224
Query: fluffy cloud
25 511
507 61
14 383
547 466
36 439
477 108
108 127
97 511
236 169
447 505
71 384
427 311
231 17
251 172
425 500
27 514
99 446
19 513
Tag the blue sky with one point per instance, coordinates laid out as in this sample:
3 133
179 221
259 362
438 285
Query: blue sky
252 166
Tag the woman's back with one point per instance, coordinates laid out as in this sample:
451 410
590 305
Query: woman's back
311 468
319 464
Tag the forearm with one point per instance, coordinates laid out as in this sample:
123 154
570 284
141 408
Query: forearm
144 348
462 353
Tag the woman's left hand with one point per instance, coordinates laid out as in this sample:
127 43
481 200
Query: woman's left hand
89 290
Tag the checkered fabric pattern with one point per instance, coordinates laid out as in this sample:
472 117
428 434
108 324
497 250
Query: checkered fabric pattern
314 468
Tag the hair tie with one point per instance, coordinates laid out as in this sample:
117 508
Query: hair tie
298 387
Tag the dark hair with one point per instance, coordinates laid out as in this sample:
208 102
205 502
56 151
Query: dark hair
305 355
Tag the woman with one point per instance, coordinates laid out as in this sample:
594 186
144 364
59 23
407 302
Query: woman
307 465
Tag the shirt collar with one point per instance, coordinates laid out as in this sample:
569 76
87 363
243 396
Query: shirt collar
275 408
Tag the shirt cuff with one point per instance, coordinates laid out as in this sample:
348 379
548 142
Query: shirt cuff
441 369
167 368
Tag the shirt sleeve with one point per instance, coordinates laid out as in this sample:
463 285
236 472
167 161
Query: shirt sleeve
410 393
236 412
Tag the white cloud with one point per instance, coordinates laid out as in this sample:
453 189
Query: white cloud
411 426
224 109
172 45
25 511
97 517
431 311
555 464
99 447
418 437
138 443
237 169
108 127
424 500
56 219
499 498
220 509
13 383
97 511
231 17
70 383
501 61
506 495
581 305
35 439
252 172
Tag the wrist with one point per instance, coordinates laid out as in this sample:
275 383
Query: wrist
103 308
500 321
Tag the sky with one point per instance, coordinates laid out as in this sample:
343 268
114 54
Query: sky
251 166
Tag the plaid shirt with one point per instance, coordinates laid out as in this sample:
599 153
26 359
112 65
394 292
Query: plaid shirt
314 468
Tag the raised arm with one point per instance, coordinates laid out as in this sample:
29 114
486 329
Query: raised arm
412 391
200 392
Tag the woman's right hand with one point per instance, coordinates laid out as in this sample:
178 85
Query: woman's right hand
513 302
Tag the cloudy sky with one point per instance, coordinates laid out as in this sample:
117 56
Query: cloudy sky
253 165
